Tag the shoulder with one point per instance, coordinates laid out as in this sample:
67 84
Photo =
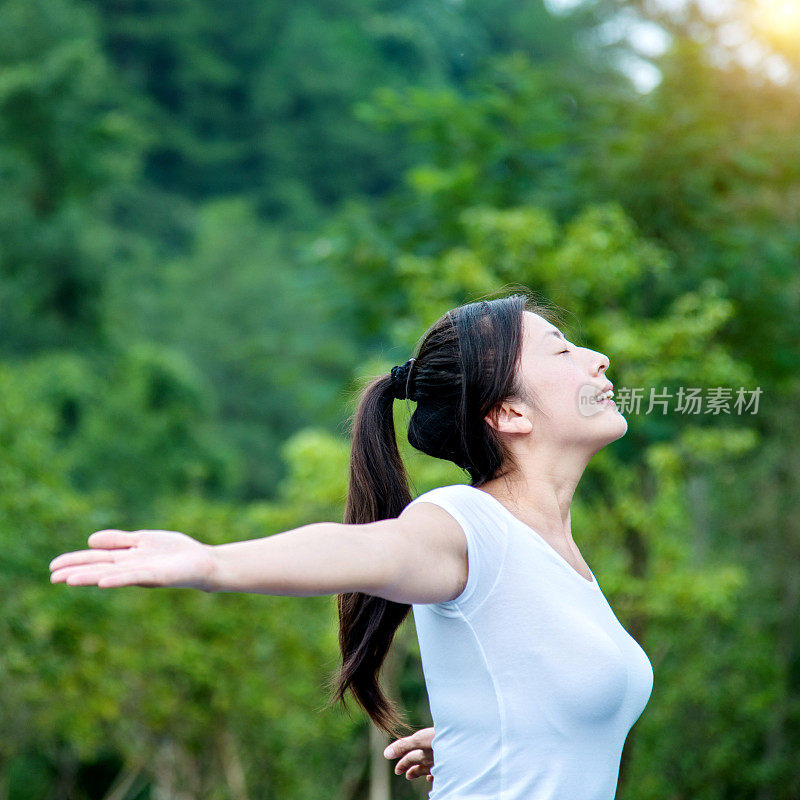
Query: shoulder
468 521
454 498
468 504
454 493
457 506
438 518
437 511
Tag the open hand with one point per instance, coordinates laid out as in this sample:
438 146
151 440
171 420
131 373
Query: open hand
417 754
137 558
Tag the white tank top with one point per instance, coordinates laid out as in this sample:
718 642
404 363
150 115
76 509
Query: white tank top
532 681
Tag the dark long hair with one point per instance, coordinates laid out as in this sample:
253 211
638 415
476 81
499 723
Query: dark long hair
465 366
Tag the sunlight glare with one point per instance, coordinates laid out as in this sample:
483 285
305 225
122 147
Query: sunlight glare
778 19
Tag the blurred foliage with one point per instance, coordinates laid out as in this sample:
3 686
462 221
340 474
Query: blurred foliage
218 220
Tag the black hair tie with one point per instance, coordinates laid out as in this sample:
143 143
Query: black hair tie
401 375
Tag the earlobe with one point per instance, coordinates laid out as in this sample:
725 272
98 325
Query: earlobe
525 425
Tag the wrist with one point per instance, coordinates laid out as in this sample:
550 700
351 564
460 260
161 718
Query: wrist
210 582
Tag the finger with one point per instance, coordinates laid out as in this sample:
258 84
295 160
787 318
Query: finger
424 737
416 772
104 575
140 577
83 579
102 568
420 738
397 748
77 557
65 573
112 538
411 759
80 577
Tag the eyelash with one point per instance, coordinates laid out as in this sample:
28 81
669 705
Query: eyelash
563 351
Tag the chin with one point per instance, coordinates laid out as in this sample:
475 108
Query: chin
613 428
623 427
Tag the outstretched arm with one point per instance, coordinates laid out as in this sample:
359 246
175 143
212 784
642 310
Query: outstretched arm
419 557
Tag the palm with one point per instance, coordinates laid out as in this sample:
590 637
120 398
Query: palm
138 558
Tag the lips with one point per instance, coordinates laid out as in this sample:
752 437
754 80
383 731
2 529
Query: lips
605 394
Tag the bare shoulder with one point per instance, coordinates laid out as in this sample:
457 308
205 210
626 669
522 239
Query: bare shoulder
427 549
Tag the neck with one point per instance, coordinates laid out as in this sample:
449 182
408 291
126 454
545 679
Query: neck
541 491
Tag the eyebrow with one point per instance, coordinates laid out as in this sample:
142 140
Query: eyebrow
557 334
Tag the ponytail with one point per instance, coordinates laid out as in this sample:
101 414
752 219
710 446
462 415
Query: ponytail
378 489
465 365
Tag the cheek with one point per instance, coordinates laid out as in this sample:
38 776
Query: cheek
559 390
563 377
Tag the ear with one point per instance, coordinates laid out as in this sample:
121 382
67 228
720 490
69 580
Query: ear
508 418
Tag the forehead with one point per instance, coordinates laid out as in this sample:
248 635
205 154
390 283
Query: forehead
538 331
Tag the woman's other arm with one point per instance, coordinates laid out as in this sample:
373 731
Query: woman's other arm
419 557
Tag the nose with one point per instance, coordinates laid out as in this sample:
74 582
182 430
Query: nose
601 362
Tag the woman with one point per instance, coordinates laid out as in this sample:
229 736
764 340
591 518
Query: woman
533 683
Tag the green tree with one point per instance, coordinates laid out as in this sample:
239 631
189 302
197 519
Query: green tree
64 142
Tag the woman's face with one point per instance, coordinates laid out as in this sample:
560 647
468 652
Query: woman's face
564 382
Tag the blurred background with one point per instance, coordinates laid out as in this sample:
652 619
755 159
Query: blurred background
218 218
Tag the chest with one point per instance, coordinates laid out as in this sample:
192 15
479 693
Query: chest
555 638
